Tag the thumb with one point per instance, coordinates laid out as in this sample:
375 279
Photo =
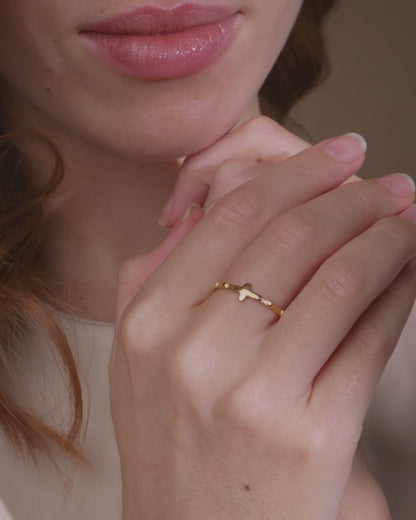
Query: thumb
137 270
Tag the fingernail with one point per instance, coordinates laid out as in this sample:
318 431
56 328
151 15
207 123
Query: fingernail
188 211
186 215
410 214
166 211
346 147
400 184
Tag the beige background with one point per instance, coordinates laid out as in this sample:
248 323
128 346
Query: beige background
372 91
372 88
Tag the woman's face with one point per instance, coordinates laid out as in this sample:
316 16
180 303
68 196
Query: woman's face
151 110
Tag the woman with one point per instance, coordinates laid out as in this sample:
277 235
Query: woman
220 409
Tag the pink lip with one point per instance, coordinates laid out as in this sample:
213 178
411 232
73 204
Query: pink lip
157 43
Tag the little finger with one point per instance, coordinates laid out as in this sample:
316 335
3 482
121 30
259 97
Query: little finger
346 384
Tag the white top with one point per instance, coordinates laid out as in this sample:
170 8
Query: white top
4 514
31 493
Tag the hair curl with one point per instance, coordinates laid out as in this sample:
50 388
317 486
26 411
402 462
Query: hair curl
24 297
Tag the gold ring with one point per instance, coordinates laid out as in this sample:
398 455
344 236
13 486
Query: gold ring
246 292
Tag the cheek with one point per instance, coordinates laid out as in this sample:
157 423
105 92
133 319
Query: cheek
28 57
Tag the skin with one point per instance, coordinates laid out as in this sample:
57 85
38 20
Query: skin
123 146
48 74
201 400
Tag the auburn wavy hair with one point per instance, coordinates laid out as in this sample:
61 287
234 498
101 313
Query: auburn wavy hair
24 296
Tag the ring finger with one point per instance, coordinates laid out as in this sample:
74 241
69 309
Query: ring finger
293 245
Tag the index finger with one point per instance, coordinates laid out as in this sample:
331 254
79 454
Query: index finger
258 140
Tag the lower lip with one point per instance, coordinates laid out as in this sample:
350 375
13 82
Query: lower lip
165 56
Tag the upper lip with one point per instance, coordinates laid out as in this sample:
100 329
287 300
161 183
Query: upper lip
149 20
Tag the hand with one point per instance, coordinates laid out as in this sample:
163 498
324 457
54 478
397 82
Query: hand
363 498
220 411
209 175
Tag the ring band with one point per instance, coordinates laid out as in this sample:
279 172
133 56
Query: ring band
246 292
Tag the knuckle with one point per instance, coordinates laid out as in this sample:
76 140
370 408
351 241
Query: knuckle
396 231
138 329
363 197
248 408
371 338
389 231
238 210
402 297
238 409
130 332
315 441
186 361
127 271
290 232
254 412
343 280
228 172
183 367
307 442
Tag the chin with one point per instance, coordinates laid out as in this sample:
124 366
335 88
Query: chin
182 141
166 135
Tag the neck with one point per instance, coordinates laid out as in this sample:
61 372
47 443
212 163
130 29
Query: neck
96 224
104 212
